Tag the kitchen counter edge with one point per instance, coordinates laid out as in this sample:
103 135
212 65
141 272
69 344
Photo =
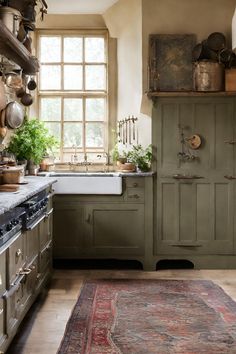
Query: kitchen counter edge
9 200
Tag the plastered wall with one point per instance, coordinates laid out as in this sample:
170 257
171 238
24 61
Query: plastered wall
201 17
131 22
127 18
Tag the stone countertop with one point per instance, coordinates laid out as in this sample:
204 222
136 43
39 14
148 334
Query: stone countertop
9 200
93 174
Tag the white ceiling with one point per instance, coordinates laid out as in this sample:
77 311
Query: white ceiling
79 6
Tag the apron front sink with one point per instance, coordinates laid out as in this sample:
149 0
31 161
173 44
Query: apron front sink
87 183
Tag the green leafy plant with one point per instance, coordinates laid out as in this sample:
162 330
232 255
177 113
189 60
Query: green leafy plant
141 157
117 155
32 141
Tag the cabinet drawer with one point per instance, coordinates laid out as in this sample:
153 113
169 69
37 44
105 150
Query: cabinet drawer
135 195
17 257
45 258
135 182
14 299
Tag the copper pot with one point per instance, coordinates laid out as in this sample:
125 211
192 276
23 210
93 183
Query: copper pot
208 76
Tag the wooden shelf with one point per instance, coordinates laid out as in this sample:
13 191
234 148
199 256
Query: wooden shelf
190 94
15 51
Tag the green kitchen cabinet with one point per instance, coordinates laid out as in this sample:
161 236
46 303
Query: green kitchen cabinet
115 230
106 226
195 188
68 229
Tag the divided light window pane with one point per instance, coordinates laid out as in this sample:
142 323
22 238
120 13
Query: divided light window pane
54 129
72 134
95 109
73 77
94 50
50 77
50 49
73 109
95 77
94 135
73 50
50 109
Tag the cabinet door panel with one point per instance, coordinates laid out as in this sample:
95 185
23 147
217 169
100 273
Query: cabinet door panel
32 238
196 216
45 230
115 230
67 230
2 321
17 257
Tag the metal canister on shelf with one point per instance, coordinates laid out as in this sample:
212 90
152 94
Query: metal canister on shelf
11 18
208 76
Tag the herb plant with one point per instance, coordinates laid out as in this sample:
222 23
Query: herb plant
141 157
32 141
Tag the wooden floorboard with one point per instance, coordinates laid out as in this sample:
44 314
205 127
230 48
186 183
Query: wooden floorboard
43 328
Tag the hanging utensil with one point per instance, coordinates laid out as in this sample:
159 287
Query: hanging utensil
123 132
126 130
27 99
32 84
3 97
118 134
14 115
3 128
129 130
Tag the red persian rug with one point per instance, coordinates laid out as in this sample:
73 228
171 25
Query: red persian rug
151 316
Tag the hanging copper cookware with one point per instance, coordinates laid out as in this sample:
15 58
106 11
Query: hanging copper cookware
3 128
3 97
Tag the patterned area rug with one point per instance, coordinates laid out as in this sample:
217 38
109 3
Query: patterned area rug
151 316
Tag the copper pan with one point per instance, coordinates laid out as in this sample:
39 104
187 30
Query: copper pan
3 128
3 97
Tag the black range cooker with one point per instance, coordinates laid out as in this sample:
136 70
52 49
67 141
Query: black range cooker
11 223
35 209
24 217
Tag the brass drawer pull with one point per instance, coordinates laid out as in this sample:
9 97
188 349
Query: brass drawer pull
230 177
135 196
135 184
48 214
187 177
25 271
19 253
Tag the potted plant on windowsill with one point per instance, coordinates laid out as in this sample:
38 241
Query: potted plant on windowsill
31 142
141 157
121 159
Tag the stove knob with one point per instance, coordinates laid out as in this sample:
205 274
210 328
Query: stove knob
15 222
1 232
9 226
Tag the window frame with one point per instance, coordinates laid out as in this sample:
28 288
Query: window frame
83 94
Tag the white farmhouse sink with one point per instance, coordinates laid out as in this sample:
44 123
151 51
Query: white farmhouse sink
86 183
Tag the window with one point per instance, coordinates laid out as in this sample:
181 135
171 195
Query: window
73 91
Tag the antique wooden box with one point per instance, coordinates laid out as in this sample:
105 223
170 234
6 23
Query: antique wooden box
170 62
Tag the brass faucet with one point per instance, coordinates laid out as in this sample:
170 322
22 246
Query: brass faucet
107 163
85 162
